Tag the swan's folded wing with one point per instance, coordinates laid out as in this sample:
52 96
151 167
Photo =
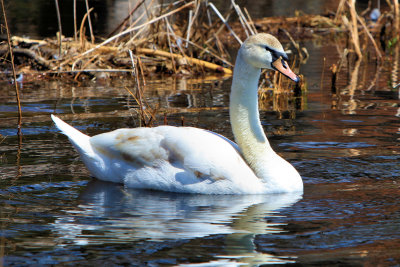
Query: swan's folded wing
199 154
138 147
206 154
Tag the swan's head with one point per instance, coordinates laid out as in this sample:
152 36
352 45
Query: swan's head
265 51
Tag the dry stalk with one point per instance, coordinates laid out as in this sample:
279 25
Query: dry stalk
183 55
242 19
89 71
297 46
146 113
250 20
396 18
89 20
85 65
135 28
75 23
378 53
189 27
207 51
170 47
225 22
354 27
81 30
322 74
139 61
126 20
133 39
139 32
13 69
339 11
59 29
395 68
333 79
192 19
138 96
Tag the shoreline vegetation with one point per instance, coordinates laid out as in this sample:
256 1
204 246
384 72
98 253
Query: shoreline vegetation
195 39
191 38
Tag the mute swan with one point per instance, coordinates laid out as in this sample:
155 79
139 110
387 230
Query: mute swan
192 160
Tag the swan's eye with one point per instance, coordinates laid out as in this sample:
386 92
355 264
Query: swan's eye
277 54
284 63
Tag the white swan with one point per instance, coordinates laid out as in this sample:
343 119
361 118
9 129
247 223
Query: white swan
192 160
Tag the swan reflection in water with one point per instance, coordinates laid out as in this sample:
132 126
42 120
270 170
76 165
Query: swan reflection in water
110 213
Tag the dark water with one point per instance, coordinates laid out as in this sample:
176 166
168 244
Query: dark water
345 145
38 18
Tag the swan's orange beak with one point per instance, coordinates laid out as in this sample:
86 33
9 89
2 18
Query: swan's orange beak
282 66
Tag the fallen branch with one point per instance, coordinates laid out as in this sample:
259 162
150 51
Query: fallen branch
31 54
195 61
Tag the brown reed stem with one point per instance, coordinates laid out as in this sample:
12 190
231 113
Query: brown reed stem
354 27
89 21
81 35
75 23
378 53
396 17
59 29
13 68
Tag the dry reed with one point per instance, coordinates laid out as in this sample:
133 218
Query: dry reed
191 37
10 50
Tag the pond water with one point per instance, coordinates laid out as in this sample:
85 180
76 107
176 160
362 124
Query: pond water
345 145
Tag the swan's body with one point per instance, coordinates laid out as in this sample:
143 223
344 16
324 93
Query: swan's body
191 160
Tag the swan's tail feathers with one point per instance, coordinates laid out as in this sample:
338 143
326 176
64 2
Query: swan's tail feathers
78 139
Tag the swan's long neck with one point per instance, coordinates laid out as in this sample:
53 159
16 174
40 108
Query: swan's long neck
245 118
